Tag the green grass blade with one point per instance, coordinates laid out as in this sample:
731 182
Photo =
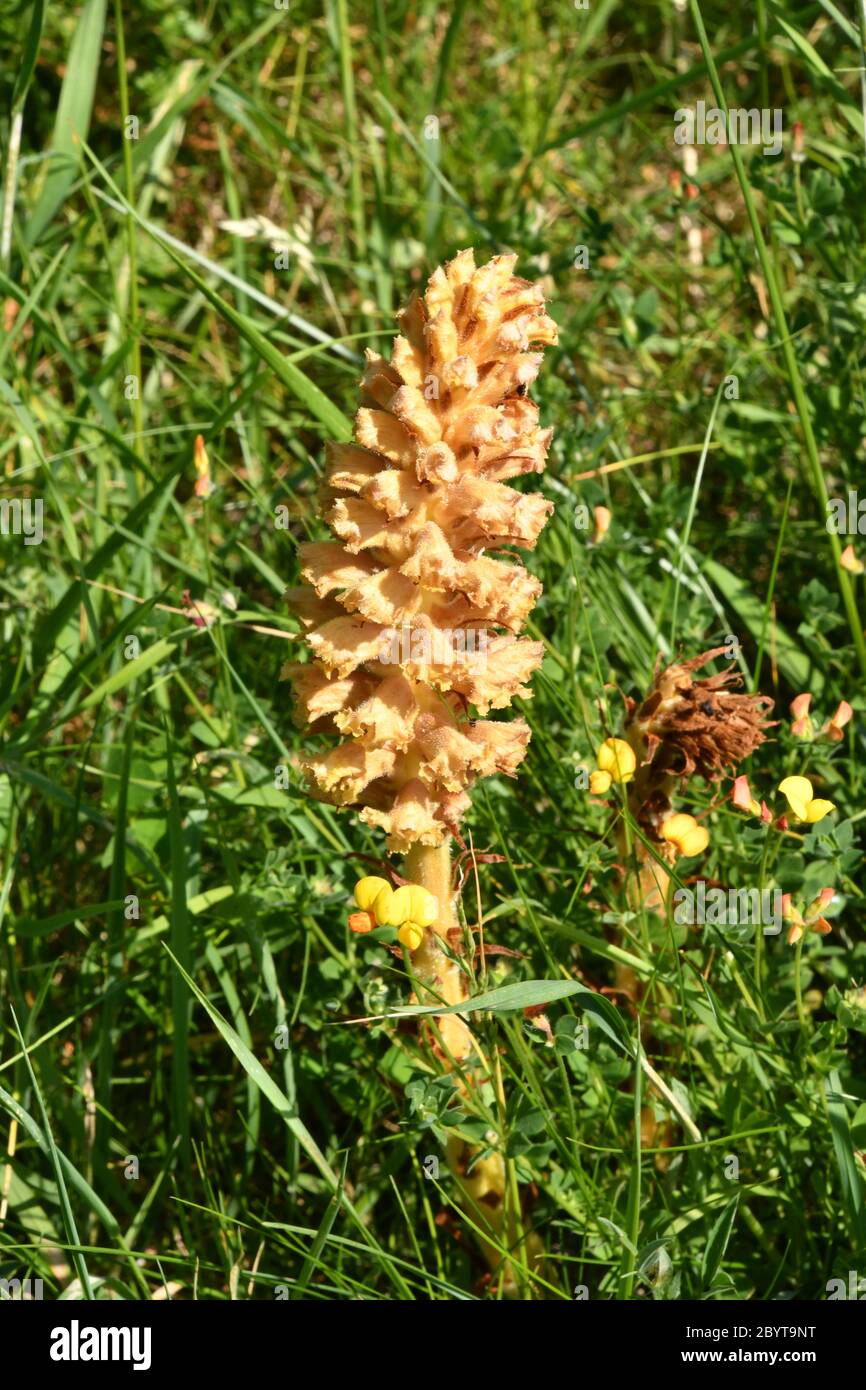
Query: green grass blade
180 940
62 1190
73 116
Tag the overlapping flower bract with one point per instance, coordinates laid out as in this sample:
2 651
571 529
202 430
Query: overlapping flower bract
409 621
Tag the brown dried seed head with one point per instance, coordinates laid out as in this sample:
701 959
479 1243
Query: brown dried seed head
705 726
408 621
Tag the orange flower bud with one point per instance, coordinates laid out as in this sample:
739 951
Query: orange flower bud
834 726
602 517
789 911
816 908
742 798
361 922
802 725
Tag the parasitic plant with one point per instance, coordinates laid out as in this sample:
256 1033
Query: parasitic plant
686 726
411 623
414 607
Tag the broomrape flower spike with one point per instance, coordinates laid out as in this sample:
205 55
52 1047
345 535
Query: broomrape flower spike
413 505
797 791
687 725
413 627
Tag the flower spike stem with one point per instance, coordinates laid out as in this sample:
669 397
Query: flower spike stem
430 867
482 1180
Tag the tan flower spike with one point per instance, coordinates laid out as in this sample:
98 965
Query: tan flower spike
412 614
409 621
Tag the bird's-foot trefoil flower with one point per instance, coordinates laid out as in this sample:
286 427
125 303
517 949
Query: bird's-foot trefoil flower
836 723
203 482
808 808
813 920
599 783
617 759
683 832
368 892
802 726
602 517
741 796
411 909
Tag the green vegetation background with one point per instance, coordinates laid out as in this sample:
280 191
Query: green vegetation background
163 1141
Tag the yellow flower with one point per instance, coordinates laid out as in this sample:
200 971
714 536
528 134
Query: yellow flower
411 909
373 895
410 935
412 904
617 757
684 832
798 794
203 483
602 516
599 783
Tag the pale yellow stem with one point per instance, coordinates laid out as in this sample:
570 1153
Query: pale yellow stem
430 866
441 978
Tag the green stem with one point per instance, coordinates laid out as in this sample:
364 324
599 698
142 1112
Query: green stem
759 930
129 181
798 987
